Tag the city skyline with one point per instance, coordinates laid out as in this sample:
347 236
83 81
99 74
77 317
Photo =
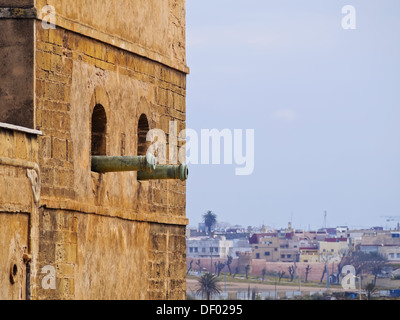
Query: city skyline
391 224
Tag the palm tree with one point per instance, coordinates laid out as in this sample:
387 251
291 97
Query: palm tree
208 285
210 219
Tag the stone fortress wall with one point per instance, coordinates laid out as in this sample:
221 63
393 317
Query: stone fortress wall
106 74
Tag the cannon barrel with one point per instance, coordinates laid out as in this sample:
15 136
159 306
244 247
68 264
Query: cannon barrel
165 172
104 164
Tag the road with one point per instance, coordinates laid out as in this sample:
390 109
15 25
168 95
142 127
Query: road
242 286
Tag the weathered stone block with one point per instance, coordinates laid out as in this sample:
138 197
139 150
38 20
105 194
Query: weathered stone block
108 236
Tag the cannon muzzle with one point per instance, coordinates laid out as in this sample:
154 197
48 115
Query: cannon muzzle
103 164
165 172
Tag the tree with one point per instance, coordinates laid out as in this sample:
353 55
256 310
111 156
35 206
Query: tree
247 269
365 262
370 288
210 219
264 272
280 275
228 264
236 271
323 273
342 253
220 266
377 269
199 264
292 270
308 269
208 285
325 258
190 267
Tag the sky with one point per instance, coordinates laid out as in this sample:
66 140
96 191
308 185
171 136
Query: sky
323 101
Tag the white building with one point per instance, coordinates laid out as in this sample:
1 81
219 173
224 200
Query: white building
385 243
204 247
239 246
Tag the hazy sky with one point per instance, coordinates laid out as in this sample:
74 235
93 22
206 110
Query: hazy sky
324 103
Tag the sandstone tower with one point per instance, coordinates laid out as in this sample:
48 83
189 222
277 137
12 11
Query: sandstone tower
77 79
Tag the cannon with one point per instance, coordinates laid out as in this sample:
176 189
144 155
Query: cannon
165 172
104 164
144 165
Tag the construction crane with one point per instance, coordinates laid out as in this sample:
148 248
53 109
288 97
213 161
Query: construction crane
393 218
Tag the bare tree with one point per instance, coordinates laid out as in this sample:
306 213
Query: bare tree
292 270
370 288
247 269
228 264
264 272
280 275
372 263
325 258
198 264
341 253
190 267
220 266
308 269
236 271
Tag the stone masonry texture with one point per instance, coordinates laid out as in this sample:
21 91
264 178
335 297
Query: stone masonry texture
106 236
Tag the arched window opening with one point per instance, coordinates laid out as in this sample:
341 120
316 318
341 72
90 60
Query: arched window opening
143 129
99 131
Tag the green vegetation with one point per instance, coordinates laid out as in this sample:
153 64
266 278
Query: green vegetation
208 285
210 219
268 279
369 290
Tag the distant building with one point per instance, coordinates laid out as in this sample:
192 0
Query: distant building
288 250
266 247
240 246
309 254
222 226
275 246
256 237
341 231
204 247
310 235
202 227
236 229
333 249
384 243
331 232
